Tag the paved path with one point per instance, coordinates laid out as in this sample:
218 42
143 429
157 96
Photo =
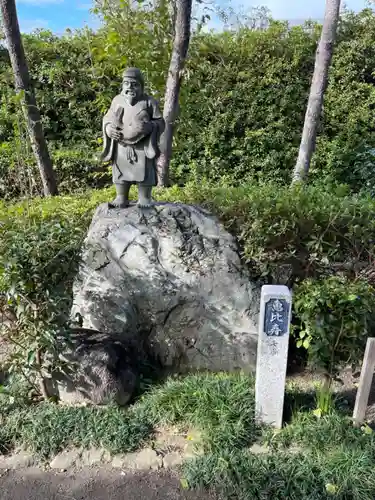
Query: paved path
94 484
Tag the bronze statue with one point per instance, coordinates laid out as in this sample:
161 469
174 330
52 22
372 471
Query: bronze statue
131 130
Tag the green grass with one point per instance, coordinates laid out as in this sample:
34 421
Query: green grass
330 458
220 406
348 473
46 429
310 458
320 434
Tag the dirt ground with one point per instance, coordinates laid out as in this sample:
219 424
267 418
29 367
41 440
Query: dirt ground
345 388
95 484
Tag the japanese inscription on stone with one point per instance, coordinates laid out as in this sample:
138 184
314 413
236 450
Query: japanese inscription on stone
276 317
273 341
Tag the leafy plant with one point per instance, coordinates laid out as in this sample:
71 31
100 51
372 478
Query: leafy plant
324 399
38 259
290 235
336 317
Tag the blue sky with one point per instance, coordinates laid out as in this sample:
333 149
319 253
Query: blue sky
60 14
56 15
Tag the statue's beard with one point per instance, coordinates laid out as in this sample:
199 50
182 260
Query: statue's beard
130 95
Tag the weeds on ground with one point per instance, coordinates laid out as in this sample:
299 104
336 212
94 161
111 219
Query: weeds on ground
221 406
311 458
46 429
340 474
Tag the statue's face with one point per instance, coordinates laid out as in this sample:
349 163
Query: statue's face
131 89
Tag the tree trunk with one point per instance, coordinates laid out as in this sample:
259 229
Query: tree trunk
23 87
179 52
319 83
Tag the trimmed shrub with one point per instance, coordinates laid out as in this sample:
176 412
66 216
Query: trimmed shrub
287 236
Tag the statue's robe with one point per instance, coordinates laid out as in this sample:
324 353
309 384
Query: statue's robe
134 158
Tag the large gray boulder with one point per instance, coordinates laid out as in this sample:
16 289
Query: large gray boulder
170 278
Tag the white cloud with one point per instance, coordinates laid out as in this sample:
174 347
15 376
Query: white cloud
29 25
291 9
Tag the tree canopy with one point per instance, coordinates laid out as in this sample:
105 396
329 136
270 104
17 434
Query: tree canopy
242 102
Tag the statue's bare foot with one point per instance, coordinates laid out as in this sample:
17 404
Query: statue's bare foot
144 203
144 196
119 202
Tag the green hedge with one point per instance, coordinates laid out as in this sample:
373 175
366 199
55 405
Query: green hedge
287 236
76 171
243 98
300 233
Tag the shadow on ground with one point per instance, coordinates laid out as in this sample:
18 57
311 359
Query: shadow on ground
95 484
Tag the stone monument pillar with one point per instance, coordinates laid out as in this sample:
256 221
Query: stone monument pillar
273 343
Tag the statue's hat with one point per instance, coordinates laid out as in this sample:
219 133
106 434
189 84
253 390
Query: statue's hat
134 73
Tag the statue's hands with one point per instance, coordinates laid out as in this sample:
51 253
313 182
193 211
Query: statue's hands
114 133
